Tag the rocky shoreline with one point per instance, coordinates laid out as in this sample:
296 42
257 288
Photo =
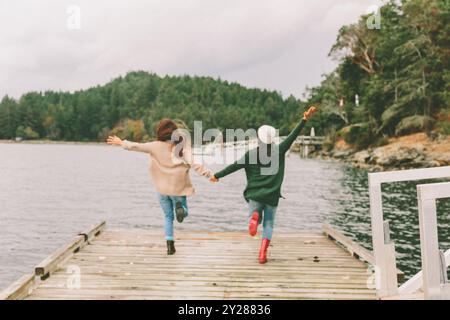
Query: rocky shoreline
413 151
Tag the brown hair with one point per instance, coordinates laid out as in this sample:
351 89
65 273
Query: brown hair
164 129
164 132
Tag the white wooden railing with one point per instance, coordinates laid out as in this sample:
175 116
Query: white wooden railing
434 267
383 247
253 143
311 140
415 283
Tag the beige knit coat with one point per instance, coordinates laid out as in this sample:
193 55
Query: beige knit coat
170 174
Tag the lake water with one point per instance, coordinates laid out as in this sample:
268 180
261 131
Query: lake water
49 192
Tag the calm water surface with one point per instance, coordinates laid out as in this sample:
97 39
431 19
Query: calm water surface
49 192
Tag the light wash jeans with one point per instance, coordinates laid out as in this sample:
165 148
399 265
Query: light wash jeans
266 216
168 205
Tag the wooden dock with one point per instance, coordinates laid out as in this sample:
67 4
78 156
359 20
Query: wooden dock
132 264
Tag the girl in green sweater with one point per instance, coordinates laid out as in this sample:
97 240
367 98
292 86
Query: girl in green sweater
264 168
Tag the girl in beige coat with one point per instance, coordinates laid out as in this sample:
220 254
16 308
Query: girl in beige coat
170 161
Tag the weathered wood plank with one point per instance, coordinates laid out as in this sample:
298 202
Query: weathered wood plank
220 273
211 291
355 249
93 231
230 294
219 267
19 289
224 282
409 296
50 263
177 275
226 296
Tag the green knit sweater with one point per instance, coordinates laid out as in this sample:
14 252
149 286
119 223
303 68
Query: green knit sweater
263 187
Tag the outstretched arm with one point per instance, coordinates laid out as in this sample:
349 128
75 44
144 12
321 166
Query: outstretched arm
128 145
199 168
240 164
287 143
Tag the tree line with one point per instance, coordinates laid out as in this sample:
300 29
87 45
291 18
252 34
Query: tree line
389 81
130 106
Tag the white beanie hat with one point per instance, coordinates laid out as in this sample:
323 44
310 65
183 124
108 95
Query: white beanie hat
267 134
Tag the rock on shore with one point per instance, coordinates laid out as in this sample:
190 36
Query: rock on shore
413 151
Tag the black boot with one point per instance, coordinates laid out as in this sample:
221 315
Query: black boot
180 212
170 247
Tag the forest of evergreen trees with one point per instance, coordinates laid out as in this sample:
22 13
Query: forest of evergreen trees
130 106
399 74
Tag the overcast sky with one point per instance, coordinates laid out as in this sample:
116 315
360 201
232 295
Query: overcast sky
275 44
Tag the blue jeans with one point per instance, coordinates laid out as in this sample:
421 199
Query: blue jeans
266 216
168 205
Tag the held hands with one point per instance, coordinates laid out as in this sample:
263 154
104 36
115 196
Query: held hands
308 114
213 179
114 140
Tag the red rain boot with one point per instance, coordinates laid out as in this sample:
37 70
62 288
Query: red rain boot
263 251
253 224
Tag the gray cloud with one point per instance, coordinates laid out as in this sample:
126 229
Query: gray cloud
275 44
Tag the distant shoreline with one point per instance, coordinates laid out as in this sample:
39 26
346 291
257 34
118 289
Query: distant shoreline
406 152
51 142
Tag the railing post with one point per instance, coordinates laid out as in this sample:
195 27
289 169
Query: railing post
443 267
415 283
383 247
434 269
